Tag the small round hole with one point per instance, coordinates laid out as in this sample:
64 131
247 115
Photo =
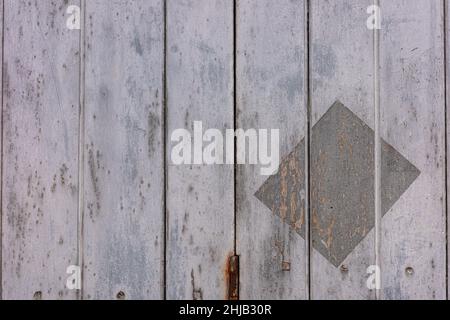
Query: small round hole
409 271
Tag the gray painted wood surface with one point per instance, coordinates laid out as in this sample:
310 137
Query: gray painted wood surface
341 70
40 150
1 148
413 121
271 91
87 177
200 199
123 153
447 92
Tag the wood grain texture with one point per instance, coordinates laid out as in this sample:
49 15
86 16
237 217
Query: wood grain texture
447 88
124 172
412 120
271 88
1 147
40 150
150 229
341 70
200 202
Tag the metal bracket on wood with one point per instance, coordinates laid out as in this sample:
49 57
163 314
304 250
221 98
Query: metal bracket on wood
233 278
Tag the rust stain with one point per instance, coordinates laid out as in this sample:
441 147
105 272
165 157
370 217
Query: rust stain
231 277
286 266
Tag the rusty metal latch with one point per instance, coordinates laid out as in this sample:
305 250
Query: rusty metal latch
233 287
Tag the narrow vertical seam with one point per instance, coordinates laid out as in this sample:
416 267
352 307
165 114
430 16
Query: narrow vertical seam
445 34
376 48
164 146
1 154
308 150
81 137
235 121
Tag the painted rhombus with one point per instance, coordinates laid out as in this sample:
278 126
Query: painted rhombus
342 177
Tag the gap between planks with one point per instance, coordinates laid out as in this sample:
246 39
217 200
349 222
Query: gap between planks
81 137
445 34
308 244
376 62
1 149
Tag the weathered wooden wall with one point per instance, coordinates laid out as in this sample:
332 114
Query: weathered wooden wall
86 175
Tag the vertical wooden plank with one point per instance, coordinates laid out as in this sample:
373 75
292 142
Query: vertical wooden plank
271 94
447 90
412 120
342 213
124 172
40 158
1 150
1 146
200 202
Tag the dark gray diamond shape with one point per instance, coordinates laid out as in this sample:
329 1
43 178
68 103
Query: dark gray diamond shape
342 183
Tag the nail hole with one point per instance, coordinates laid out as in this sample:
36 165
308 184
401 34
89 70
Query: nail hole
37 295
120 295
409 271
286 266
